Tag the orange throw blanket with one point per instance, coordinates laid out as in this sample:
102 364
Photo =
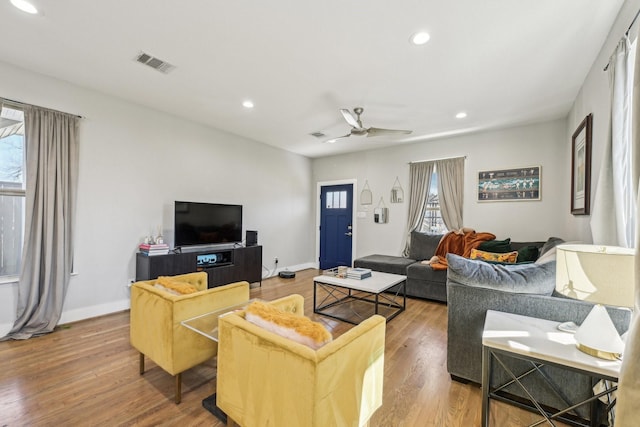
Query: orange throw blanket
458 243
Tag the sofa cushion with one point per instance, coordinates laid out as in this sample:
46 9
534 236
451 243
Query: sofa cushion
425 272
548 250
551 243
423 245
537 279
384 263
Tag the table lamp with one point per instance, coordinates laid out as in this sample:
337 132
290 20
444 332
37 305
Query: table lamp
600 274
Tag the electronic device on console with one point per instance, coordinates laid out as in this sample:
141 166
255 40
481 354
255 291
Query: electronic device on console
213 259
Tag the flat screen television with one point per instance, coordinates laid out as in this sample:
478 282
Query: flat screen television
199 224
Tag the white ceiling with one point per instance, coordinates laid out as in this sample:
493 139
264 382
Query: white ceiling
504 62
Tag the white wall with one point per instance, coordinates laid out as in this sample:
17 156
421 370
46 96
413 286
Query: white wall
594 97
134 162
541 144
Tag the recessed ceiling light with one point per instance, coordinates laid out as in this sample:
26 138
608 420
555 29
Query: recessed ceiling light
331 141
461 115
420 38
247 104
25 6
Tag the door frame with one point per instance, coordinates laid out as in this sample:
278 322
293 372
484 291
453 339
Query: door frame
354 225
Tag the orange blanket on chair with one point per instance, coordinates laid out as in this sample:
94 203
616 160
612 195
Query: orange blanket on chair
459 243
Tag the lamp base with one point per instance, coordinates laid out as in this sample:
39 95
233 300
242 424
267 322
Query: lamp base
598 337
599 353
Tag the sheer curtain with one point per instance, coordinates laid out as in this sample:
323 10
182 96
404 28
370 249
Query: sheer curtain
627 409
614 207
420 181
451 191
52 169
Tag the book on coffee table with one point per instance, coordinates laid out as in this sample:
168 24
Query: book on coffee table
358 273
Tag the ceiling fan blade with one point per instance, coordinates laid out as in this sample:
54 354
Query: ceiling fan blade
380 132
332 140
349 118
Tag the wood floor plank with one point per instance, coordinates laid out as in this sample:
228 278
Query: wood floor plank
86 374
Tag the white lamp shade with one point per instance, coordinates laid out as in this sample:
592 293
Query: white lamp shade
600 274
598 336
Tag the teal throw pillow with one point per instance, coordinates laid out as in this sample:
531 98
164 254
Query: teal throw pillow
528 254
496 246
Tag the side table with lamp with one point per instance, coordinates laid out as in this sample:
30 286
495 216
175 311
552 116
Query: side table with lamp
603 275
592 273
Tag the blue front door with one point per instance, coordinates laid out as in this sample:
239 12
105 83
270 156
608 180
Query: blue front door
336 212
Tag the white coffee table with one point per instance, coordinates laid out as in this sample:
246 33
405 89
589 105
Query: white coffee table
335 296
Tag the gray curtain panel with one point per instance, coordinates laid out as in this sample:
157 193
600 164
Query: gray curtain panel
51 140
420 180
451 191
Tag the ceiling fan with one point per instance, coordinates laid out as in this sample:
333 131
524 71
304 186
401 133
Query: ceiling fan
358 130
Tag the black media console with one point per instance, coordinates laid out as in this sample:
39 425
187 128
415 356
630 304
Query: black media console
222 265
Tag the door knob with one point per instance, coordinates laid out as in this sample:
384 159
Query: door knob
348 234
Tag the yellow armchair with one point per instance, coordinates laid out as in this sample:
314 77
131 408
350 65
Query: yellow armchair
265 379
155 328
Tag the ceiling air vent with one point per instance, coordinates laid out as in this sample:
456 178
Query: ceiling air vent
318 134
155 63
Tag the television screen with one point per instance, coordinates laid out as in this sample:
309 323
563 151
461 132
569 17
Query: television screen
207 223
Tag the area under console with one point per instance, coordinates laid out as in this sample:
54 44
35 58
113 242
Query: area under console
223 266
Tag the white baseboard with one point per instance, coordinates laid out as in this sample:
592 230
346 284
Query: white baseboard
94 311
5 328
81 314
297 267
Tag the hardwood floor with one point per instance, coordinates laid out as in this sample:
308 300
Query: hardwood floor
86 374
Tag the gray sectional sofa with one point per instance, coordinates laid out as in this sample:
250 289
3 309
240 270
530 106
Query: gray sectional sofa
473 287
422 280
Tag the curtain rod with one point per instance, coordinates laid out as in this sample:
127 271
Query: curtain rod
13 101
626 33
434 160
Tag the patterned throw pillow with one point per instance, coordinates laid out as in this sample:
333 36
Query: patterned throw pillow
507 258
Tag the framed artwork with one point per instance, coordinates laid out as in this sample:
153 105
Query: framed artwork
501 185
581 167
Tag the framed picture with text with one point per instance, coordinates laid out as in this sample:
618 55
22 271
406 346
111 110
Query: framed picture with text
581 167
501 185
